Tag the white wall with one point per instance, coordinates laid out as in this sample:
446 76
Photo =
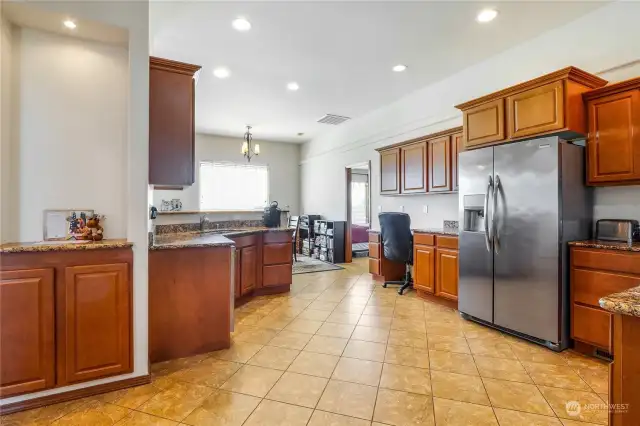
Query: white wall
71 118
601 40
283 160
133 16
8 197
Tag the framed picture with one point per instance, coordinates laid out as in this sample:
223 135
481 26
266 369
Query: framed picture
64 224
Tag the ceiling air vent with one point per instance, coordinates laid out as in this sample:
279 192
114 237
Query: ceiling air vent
333 119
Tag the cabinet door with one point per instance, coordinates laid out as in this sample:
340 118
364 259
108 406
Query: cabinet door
456 149
248 269
390 171
484 124
27 351
97 317
237 279
423 267
440 164
171 127
535 111
413 162
614 138
447 274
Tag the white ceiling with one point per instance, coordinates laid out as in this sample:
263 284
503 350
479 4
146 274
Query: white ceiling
340 53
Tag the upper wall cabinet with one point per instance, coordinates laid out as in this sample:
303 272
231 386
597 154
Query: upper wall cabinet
171 122
413 159
613 144
551 104
390 171
428 164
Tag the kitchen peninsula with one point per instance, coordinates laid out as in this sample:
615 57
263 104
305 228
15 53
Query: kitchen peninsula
196 277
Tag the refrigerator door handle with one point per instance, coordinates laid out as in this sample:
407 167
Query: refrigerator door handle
487 229
495 228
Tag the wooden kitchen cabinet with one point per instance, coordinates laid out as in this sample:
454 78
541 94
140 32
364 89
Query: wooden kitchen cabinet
277 263
422 165
27 335
65 317
380 267
484 123
613 144
596 273
456 149
439 156
98 321
447 273
248 269
413 160
171 122
550 104
535 111
424 268
390 171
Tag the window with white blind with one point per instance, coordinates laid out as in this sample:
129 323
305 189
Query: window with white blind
232 186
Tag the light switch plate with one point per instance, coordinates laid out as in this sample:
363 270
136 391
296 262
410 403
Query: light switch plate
379 209
425 209
402 208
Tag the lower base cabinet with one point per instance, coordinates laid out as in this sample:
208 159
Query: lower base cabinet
435 267
65 318
27 331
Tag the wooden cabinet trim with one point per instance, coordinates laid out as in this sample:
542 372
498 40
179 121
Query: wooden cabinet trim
589 286
605 260
424 239
277 237
424 267
374 250
457 147
591 325
276 253
374 237
443 241
374 266
276 275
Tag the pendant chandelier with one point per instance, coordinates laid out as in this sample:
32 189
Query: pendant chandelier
247 150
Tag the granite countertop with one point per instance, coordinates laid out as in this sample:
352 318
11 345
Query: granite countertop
438 231
64 246
626 302
216 238
607 245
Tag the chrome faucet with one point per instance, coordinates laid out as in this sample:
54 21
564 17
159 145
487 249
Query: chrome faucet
203 221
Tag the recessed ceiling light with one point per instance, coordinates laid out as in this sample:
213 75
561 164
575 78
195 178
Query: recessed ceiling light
293 86
70 24
221 72
399 68
241 24
486 15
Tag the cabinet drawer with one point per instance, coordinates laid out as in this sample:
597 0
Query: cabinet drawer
277 237
277 253
424 239
374 250
374 237
606 260
374 266
447 242
589 286
275 275
534 111
592 326
484 123
246 241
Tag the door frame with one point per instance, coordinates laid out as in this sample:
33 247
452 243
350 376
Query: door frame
348 255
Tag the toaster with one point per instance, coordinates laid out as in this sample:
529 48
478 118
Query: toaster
617 230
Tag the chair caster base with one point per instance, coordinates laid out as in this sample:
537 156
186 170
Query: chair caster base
384 285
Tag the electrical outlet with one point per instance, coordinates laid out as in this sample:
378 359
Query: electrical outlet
402 208
425 209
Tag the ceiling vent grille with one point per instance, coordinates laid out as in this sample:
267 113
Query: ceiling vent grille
333 119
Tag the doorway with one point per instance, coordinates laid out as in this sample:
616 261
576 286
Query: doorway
358 202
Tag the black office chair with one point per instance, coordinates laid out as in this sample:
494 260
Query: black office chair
397 241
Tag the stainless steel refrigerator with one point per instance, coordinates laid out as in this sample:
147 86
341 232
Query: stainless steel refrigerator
520 204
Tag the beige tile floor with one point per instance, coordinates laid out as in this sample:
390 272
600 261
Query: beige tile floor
340 350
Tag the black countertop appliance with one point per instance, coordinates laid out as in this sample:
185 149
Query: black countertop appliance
271 216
